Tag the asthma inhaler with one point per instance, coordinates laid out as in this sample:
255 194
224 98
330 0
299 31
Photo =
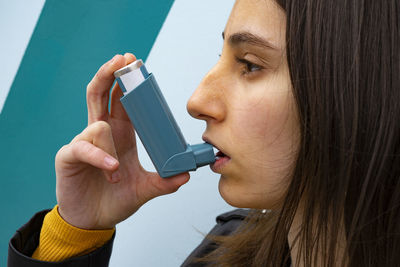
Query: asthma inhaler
155 124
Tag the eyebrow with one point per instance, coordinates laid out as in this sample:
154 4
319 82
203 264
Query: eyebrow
248 38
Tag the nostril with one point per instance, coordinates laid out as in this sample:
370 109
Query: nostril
203 117
196 110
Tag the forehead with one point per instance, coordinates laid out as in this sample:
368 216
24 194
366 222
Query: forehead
261 17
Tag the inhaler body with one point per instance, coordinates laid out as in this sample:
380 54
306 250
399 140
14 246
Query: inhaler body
155 124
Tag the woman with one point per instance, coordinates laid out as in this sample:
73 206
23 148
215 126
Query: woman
303 106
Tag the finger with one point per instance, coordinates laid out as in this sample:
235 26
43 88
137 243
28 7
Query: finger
85 152
100 135
117 110
163 186
97 93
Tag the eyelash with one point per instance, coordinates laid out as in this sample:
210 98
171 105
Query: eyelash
249 68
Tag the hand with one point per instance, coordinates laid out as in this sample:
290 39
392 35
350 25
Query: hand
100 181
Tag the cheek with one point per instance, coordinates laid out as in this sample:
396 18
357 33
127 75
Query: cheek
263 139
255 121
265 134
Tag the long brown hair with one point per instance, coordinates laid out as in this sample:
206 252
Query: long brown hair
344 62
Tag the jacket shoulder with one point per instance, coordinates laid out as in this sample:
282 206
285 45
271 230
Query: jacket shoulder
26 240
237 214
227 223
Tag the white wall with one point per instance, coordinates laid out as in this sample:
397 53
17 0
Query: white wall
17 22
164 231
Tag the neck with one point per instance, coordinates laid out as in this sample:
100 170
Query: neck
293 233
294 239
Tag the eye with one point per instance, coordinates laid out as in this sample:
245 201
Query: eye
248 68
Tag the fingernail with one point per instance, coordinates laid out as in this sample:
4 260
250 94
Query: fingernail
115 176
111 162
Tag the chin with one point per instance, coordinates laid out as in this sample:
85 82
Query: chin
236 195
232 193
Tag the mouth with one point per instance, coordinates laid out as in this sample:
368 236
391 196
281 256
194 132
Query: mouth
219 155
221 159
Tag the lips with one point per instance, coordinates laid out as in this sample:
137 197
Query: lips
219 155
221 159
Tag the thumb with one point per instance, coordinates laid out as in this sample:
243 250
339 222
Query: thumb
159 186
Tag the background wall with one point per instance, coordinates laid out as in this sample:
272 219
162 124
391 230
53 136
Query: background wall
17 21
45 108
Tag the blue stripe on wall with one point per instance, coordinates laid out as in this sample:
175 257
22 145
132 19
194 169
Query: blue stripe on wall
46 104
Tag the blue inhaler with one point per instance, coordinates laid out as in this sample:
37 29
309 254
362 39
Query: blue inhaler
155 124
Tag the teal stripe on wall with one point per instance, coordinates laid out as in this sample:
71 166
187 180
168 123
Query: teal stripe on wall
46 105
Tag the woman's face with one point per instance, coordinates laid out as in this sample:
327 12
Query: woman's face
247 103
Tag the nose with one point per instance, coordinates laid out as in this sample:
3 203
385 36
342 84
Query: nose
207 101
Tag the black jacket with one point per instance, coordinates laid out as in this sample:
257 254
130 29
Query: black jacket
26 239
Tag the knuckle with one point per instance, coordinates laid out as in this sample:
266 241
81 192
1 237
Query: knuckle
103 125
100 73
75 148
60 153
89 87
100 127
91 94
98 77
91 90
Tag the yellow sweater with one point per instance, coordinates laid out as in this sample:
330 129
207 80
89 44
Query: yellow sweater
60 240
